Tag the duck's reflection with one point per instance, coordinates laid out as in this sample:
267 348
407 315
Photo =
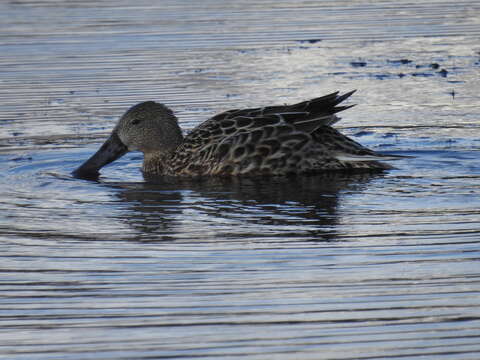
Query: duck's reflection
303 206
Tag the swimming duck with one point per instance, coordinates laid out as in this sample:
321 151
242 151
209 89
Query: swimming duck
273 140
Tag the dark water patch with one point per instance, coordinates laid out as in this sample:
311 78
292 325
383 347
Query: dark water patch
443 73
421 74
400 62
431 69
310 41
363 133
383 76
358 63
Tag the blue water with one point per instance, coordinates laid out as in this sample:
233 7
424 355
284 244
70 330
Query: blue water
315 267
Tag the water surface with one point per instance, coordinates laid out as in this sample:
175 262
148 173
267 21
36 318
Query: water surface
319 267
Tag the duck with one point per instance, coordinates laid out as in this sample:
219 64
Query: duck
266 141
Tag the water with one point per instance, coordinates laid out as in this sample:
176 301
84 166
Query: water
319 267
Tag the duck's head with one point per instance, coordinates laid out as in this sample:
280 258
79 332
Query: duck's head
148 127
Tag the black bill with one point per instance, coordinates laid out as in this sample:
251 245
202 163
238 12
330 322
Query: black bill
110 151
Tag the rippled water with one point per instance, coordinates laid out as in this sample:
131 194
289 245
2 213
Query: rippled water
318 267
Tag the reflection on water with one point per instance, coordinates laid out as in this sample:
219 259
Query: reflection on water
239 208
369 266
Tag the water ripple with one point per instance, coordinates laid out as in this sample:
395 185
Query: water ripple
332 266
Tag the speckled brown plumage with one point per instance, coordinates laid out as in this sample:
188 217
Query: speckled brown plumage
274 140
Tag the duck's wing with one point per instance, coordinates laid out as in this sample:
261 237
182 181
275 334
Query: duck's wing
260 145
270 145
240 145
306 116
274 140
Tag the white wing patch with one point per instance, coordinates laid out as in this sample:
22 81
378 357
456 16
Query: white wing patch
341 156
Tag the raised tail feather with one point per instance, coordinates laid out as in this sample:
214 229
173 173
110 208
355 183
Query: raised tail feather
306 116
319 112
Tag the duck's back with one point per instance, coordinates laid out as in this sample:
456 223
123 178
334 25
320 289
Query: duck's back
275 140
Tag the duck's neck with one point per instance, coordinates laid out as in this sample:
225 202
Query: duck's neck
156 163
156 160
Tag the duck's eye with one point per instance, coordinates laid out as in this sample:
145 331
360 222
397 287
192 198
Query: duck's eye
135 121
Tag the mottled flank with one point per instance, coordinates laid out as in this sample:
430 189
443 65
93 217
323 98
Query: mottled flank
275 140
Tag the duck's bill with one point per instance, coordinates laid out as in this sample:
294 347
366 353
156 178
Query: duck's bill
110 151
